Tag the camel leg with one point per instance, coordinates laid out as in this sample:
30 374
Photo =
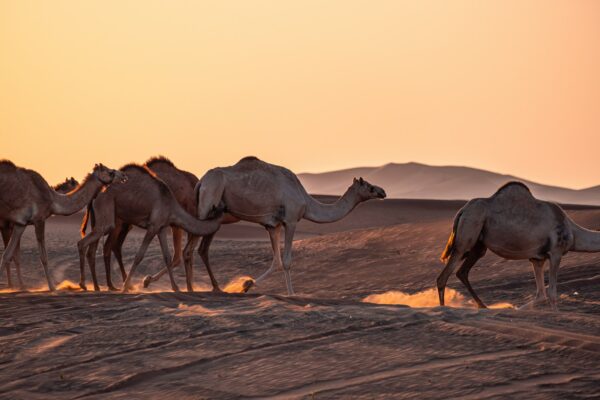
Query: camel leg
474 255
552 281
17 261
290 229
91 257
442 279
188 261
82 247
12 246
203 251
150 233
177 239
41 239
177 246
118 247
274 236
109 244
6 233
540 295
164 246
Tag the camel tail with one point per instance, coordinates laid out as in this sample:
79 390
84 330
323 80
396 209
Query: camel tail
89 213
449 249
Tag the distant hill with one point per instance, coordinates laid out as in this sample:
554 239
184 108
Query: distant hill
420 181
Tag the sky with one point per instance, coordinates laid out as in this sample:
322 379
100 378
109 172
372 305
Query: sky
511 86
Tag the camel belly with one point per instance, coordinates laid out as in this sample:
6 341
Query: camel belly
516 248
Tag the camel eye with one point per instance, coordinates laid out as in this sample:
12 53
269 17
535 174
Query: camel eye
112 173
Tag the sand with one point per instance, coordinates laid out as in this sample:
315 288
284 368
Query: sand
332 340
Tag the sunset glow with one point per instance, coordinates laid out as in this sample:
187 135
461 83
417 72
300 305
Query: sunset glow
509 86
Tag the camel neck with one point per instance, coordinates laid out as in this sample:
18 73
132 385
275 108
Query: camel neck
584 240
70 203
323 213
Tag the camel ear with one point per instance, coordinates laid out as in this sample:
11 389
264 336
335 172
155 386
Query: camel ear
355 180
361 180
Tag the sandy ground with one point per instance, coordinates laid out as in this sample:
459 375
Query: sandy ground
327 342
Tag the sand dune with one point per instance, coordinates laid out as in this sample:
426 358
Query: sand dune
420 181
340 338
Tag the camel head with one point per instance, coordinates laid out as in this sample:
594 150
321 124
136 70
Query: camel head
367 191
107 175
68 185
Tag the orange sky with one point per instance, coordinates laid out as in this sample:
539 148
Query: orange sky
510 86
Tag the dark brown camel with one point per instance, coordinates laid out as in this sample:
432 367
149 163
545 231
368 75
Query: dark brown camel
144 201
182 185
27 199
7 228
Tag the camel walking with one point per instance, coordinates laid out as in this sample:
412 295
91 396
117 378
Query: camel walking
182 184
514 225
144 201
6 229
272 196
27 199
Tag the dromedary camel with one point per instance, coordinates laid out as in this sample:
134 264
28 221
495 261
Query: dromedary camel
27 199
272 196
144 201
6 229
516 226
182 184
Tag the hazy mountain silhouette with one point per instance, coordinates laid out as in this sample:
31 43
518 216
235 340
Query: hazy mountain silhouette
420 181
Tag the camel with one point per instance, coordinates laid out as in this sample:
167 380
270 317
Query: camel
65 187
514 225
272 196
27 199
182 184
6 230
144 201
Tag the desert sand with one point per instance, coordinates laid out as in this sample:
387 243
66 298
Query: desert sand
334 340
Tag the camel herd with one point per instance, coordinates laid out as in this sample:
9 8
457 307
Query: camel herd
159 197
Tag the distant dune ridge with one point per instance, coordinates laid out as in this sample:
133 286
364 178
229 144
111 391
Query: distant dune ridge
420 181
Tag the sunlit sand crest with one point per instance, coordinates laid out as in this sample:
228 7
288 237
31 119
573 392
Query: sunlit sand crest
426 298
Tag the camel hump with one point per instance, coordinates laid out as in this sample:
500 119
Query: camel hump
159 160
7 164
248 158
513 187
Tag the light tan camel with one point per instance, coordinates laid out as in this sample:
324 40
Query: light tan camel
27 199
7 228
272 196
144 201
516 226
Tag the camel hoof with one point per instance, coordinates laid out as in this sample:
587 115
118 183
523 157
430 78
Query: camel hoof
247 285
112 288
147 281
217 289
83 287
96 288
175 288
